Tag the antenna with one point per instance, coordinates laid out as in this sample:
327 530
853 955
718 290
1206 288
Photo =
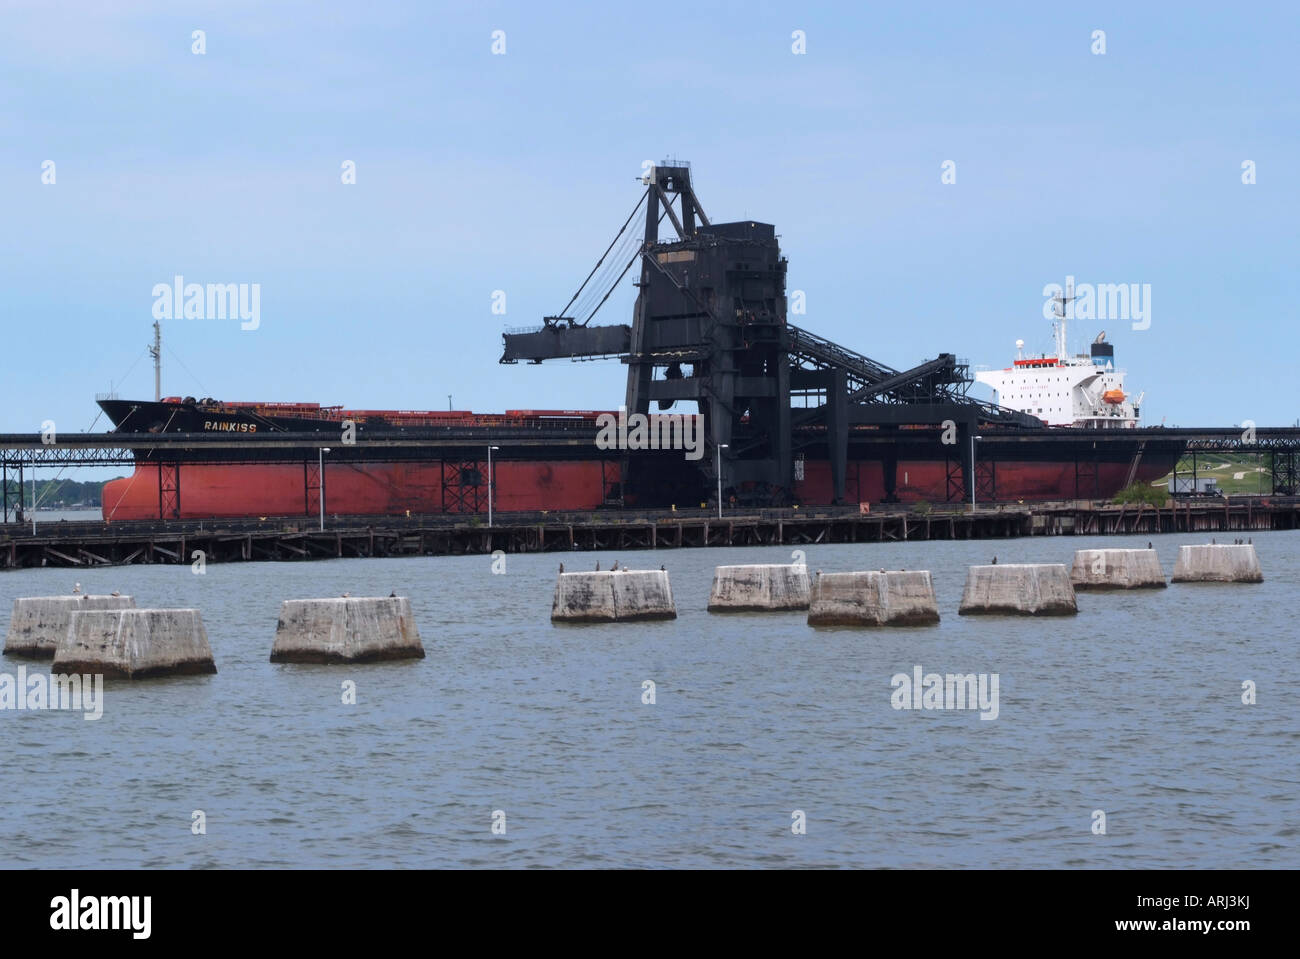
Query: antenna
155 351
1059 301
1058 308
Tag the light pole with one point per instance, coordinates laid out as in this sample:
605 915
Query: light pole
320 482
973 439
490 449
721 447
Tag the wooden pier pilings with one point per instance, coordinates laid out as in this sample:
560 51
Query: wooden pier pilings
82 545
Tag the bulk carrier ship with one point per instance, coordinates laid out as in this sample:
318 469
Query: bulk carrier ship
790 417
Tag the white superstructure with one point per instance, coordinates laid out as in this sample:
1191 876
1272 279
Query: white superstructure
1083 389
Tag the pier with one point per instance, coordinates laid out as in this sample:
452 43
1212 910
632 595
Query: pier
90 544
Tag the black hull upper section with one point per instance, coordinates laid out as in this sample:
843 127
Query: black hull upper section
1049 444
152 416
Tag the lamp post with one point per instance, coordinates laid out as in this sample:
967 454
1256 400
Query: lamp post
973 440
721 447
320 482
490 449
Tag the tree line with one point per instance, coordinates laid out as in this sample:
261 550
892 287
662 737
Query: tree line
57 493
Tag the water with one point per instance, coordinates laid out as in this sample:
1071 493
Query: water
47 516
1133 707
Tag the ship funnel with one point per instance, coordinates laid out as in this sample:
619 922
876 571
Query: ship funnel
1103 353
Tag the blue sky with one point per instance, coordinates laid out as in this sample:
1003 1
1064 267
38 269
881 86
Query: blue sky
478 172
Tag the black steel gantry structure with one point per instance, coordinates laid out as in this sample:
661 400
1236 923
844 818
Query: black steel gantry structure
710 327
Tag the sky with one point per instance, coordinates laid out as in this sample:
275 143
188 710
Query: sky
479 171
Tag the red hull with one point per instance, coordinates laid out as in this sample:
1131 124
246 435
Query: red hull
920 481
198 491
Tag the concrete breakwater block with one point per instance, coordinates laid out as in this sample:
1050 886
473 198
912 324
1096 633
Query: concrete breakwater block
739 589
1019 588
883 598
1117 569
135 643
38 623
613 596
1226 563
358 629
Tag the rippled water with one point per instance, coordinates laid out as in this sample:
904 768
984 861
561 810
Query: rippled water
1134 707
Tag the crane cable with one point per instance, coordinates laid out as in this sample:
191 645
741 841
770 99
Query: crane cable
599 284
603 255
635 256
630 244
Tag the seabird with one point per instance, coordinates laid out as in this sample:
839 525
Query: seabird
346 595
393 595
76 588
614 568
598 566
561 567
995 561
115 593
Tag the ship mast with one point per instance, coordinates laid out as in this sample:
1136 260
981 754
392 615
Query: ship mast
1058 307
156 352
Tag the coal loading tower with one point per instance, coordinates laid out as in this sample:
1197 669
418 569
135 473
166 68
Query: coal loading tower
710 328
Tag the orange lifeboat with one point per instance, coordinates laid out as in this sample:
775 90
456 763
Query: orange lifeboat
1114 397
